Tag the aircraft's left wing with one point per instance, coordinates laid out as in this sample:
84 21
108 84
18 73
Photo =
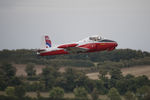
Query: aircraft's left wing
72 48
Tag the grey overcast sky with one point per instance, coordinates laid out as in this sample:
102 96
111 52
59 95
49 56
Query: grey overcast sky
23 22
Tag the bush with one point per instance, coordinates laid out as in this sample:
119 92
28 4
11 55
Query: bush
56 93
10 91
113 94
80 94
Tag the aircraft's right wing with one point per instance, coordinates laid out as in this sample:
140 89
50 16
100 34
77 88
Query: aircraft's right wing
72 48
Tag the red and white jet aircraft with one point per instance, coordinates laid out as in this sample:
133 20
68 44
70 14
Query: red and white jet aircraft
90 44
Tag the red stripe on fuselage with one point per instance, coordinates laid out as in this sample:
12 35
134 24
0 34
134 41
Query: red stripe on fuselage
57 52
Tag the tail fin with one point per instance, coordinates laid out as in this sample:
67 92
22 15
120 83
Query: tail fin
47 41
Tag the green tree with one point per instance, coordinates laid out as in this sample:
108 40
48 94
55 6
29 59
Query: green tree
99 84
10 91
49 76
73 78
3 80
116 74
143 93
20 91
38 94
7 76
70 77
129 96
113 94
80 93
8 69
94 94
102 73
30 69
121 84
56 93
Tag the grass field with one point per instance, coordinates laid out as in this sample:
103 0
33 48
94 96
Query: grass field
21 69
136 71
66 95
46 94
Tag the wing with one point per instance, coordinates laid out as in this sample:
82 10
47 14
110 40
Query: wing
73 48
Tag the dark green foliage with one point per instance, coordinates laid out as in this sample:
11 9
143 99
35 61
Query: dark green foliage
10 91
109 65
94 94
49 75
2 97
143 93
20 91
113 94
8 69
116 55
130 83
100 85
68 62
70 76
122 86
7 76
116 74
73 78
103 73
34 86
80 93
130 96
24 56
89 85
30 69
104 62
56 93
38 94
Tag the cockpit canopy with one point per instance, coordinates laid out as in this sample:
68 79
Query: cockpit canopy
99 39
95 38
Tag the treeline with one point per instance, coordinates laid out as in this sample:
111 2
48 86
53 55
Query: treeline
24 56
56 83
124 63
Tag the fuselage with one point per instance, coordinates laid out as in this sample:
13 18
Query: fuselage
87 45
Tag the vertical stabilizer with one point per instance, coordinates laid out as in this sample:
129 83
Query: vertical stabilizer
47 41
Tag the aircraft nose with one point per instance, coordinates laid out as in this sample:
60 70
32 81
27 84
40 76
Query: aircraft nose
116 44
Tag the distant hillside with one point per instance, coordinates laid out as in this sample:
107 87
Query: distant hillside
23 56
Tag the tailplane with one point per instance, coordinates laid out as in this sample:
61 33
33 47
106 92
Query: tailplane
48 41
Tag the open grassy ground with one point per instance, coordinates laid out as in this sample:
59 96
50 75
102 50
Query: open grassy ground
66 95
136 70
46 94
21 69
